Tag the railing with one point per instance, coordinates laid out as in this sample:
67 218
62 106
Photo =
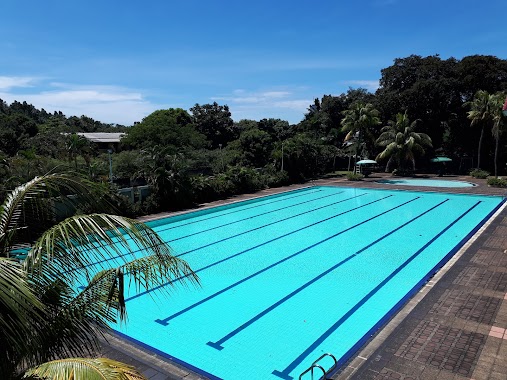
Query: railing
315 365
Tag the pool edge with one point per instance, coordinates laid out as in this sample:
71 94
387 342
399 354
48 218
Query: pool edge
352 361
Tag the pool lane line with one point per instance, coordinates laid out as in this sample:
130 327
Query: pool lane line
285 373
271 266
253 216
239 234
279 199
240 209
218 344
255 246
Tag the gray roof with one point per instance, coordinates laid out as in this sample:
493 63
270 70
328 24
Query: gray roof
103 137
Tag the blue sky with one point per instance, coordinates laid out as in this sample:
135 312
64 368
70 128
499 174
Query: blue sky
118 61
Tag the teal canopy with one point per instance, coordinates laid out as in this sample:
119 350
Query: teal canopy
441 159
364 162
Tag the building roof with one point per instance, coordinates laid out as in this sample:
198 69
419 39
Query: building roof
102 137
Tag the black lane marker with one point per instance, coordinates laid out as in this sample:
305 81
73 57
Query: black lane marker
280 199
218 344
165 320
252 217
230 237
300 194
256 246
285 373
282 220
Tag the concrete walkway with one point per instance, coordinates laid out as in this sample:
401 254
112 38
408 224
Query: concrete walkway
454 328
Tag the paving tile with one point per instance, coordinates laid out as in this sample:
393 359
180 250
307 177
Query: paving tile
464 305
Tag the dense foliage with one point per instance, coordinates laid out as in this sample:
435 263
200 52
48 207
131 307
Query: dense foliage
194 156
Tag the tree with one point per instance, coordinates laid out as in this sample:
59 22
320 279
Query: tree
85 368
215 122
358 121
14 130
43 315
480 114
256 146
166 173
427 87
172 128
499 121
78 145
401 143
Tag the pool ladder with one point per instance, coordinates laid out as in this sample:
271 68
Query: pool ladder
315 365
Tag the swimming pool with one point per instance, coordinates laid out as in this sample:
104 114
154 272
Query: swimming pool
287 278
426 182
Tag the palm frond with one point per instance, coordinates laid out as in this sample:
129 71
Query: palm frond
85 369
33 201
96 239
19 311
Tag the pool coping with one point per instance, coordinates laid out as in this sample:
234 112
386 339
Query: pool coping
166 369
370 347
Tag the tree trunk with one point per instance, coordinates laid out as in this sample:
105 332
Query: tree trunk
357 149
496 154
479 148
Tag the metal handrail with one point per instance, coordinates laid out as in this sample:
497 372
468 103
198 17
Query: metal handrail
315 365
311 369
323 356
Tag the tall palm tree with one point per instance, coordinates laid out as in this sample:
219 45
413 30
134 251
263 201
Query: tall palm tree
77 145
401 143
499 121
479 114
358 121
43 314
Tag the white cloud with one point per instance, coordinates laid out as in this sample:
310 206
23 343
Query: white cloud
271 103
6 83
371 85
108 104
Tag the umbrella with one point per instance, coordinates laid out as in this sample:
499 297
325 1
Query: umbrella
441 159
363 162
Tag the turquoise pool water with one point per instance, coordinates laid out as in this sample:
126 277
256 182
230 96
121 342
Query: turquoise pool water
287 278
426 182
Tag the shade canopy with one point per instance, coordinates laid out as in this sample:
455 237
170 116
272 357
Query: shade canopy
441 159
363 162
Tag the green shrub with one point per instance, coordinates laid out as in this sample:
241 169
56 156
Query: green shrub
497 182
245 180
354 176
479 173
403 172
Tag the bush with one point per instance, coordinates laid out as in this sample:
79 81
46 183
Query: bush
403 173
354 176
497 182
245 180
479 173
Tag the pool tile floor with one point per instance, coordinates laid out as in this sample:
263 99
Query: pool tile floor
455 328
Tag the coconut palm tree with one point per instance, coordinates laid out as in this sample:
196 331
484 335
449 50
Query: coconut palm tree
57 301
499 121
401 143
479 114
85 368
77 145
358 121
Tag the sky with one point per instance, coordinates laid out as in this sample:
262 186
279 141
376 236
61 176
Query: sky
119 61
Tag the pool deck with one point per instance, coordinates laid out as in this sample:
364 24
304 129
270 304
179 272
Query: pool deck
454 328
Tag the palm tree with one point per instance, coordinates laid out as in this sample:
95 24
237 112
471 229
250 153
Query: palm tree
358 121
85 368
499 121
479 114
401 143
42 314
